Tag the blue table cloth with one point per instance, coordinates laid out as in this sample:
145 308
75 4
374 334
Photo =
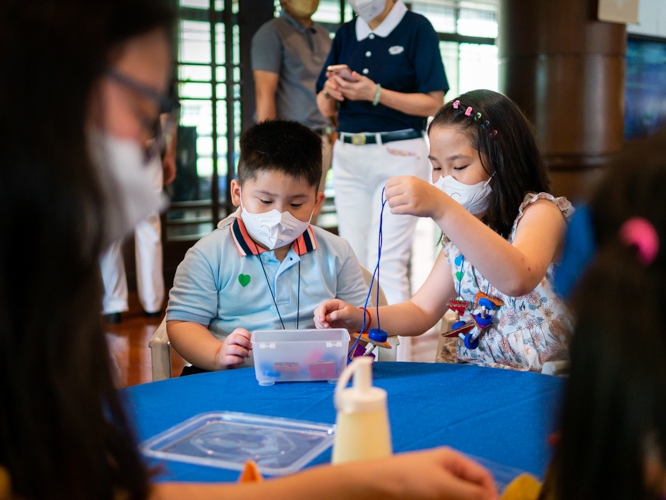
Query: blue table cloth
501 415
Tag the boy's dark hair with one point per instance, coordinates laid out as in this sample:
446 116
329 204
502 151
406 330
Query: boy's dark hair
614 415
511 154
283 146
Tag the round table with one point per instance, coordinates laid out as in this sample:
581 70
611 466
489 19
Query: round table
503 416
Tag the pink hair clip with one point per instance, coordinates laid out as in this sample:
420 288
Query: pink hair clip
456 103
468 111
639 232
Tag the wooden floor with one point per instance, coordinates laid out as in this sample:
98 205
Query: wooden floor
128 343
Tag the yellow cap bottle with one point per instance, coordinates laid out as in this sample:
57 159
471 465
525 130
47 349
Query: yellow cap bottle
362 424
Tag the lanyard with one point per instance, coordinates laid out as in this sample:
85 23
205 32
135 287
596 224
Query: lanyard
298 304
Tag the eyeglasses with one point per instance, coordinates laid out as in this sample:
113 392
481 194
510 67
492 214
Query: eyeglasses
163 131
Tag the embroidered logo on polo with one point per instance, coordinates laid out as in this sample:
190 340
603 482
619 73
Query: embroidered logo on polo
244 279
396 49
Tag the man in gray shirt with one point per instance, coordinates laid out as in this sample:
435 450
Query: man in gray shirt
288 54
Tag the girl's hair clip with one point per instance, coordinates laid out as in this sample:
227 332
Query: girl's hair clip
456 103
477 117
468 111
493 133
639 232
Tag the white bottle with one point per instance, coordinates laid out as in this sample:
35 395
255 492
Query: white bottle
362 425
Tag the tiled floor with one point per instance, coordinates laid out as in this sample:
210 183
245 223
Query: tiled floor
128 341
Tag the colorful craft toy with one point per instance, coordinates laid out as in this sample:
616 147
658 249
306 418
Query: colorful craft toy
480 321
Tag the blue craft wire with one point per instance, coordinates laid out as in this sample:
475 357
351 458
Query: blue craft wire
376 271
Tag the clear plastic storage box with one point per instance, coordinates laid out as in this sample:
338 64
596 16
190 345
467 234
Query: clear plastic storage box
227 440
299 355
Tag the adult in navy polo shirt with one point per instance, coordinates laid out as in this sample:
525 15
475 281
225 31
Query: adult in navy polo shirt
399 81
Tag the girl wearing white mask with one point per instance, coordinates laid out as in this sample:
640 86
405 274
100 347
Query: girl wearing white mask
503 234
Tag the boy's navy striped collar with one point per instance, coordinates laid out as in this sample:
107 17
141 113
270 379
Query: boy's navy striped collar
305 243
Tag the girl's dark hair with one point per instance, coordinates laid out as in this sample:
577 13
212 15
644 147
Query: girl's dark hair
63 431
511 154
614 414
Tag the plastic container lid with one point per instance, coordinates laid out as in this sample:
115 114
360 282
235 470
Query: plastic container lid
227 440
362 397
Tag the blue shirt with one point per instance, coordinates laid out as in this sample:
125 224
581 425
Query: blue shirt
402 54
221 284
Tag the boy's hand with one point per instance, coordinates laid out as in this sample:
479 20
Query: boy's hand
235 349
413 196
336 313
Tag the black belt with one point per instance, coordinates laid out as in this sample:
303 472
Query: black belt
362 139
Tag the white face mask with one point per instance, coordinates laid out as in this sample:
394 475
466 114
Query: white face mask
474 198
368 9
273 229
127 181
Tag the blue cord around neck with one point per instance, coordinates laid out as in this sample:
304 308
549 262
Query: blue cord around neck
375 272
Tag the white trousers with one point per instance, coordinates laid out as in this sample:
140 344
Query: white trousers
148 254
360 173
327 153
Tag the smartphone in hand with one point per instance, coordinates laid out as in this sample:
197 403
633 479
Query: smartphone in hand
341 70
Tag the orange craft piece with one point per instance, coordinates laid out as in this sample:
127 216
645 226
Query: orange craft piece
364 338
481 295
250 473
463 329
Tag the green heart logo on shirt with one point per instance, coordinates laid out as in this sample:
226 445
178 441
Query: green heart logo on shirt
459 275
244 279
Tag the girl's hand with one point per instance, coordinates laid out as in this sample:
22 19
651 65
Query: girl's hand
363 89
413 196
235 349
335 313
331 87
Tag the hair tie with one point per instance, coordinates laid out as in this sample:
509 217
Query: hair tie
468 111
639 232
456 103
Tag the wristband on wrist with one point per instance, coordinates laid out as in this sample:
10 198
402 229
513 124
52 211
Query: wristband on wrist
377 94
367 328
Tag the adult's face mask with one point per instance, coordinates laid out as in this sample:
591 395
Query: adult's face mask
474 198
273 229
127 181
368 9
304 8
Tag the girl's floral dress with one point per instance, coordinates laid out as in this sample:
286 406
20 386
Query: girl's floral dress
527 331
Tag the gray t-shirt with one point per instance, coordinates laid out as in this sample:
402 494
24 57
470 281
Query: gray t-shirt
297 53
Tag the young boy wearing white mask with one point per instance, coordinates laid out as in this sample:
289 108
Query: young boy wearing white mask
266 267
503 234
